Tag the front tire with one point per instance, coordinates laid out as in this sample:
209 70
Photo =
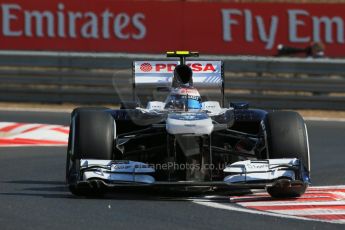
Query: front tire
287 137
92 133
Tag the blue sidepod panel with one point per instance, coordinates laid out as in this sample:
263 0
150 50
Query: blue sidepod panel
250 115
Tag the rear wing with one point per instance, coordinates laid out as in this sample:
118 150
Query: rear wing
206 74
148 76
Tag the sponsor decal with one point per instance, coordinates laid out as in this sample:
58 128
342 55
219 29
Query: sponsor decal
192 93
61 20
121 166
169 66
146 67
196 67
256 166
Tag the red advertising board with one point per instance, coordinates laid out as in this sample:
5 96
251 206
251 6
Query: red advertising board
154 27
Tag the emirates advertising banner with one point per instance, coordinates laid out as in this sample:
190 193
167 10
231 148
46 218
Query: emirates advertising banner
155 27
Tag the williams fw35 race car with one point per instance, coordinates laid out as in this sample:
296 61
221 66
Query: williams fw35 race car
185 142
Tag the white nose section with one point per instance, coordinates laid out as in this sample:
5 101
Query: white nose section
189 123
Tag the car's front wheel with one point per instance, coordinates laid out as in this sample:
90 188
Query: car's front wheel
287 137
91 136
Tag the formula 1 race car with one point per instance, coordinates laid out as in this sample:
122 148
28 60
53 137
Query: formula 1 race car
186 142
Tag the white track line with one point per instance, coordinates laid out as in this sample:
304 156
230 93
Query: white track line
308 212
328 187
291 203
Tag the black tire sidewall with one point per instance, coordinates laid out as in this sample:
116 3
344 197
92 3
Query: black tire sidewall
94 135
287 136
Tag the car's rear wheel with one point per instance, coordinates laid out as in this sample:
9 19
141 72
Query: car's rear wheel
92 133
287 137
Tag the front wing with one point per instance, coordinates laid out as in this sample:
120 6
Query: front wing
247 174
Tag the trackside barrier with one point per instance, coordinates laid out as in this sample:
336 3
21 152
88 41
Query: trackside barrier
91 78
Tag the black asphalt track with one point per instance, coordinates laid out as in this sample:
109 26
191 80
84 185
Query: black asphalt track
33 194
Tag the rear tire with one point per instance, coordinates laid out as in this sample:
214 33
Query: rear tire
287 137
92 133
